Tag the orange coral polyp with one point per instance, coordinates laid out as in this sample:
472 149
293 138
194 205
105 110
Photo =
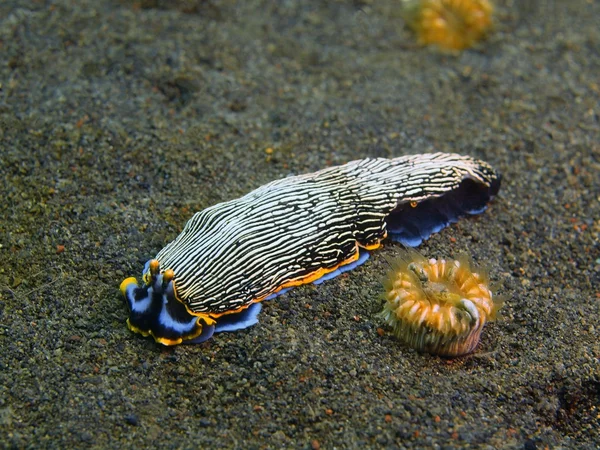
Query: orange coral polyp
449 24
438 306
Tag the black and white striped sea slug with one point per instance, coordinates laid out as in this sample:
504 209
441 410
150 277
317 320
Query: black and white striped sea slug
293 231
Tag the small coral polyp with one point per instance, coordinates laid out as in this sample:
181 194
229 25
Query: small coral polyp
449 24
438 306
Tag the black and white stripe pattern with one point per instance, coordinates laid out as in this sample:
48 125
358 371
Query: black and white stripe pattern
239 252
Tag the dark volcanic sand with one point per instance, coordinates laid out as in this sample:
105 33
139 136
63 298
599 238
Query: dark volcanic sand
119 119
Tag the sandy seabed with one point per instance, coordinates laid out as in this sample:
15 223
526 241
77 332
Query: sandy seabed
119 119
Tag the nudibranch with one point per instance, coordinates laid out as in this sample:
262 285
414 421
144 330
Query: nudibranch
449 24
297 230
438 306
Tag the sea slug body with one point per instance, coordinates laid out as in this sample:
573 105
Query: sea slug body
438 306
297 230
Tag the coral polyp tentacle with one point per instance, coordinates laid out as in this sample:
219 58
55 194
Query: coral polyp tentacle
438 306
449 24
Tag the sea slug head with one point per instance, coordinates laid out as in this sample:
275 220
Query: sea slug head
438 306
155 310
